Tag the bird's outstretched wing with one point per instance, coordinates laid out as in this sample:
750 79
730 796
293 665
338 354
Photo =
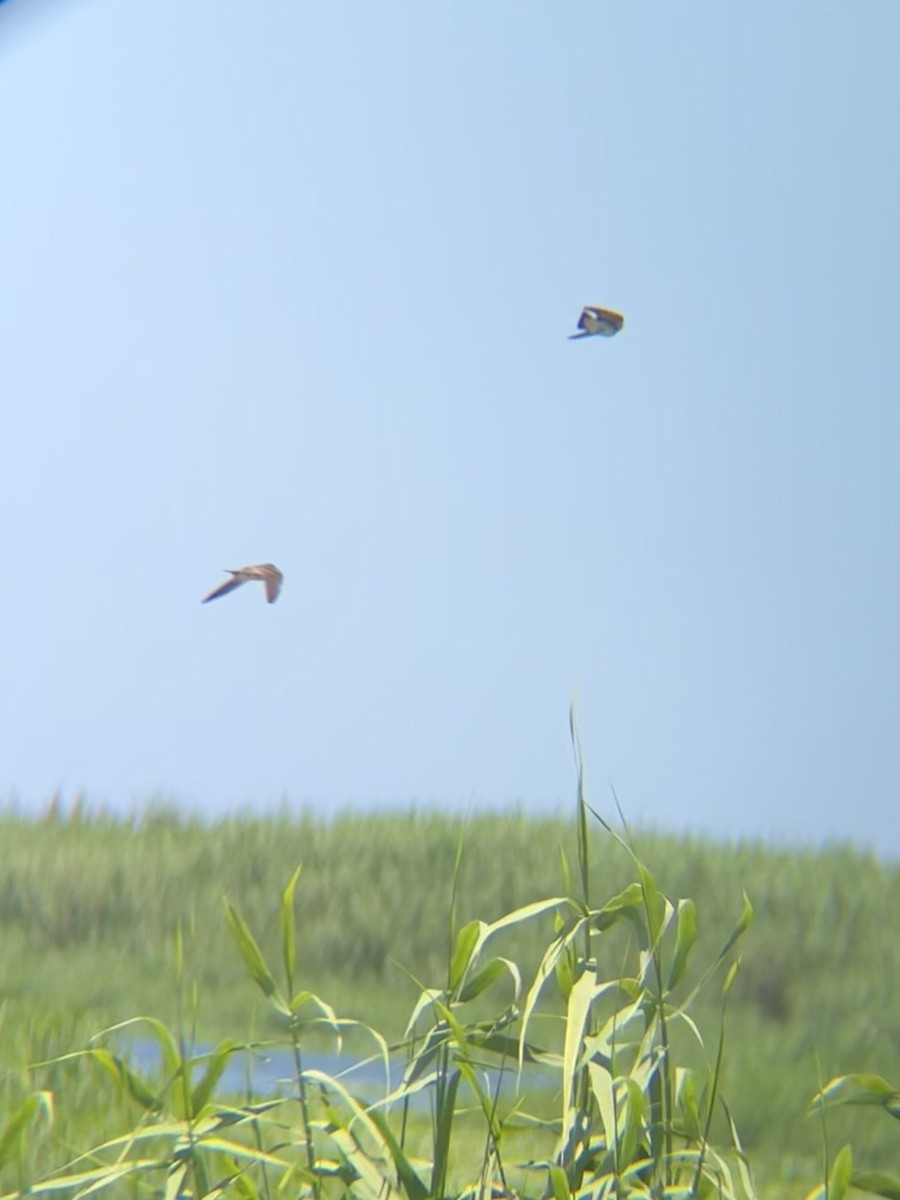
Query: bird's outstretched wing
224 588
267 573
272 580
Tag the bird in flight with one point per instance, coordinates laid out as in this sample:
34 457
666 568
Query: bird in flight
266 572
598 322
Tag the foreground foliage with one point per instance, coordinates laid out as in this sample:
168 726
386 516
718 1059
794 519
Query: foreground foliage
557 1049
630 1120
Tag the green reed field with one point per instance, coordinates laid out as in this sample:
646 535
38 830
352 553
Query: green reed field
90 905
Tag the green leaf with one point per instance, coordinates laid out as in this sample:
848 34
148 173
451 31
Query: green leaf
566 872
245 1186
237 1150
860 1089
687 1102
93 1180
526 913
172 1060
137 1088
212 1073
410 1181
841 1172
730 976
174 1180
508 1047
466 941
627 903
496 969
565 974
578 1013
360 1121
654 903
249 951
369 1181
559 1184
745 920
546 968
288 947
630 1120
602 1087
685 937
437 1039
446 1111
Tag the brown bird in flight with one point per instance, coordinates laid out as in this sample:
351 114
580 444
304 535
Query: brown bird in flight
598 322
266 572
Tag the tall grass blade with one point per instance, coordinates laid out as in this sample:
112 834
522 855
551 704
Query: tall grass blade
466 941
172 1059
445 1103
545 971
577 1016
215 1067
580 811
655 905
88 1182
743 924
288 932
685 940
630 1119
137 1088
491 973
250 951
410 1181
454 894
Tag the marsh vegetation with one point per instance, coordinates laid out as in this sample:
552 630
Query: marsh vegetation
507 942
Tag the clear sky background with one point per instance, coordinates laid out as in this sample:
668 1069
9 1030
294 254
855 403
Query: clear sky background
294 282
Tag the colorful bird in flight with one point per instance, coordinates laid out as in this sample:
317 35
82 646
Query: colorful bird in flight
266 572
598 322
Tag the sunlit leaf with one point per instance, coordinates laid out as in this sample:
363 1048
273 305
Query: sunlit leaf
560 1184
685 938
174 1180
860 1089
249 950
410 1181
137 1088
466 941
743 924
841 1171
487 976
212 1073
288 931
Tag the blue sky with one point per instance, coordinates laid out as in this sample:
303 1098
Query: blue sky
294 283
